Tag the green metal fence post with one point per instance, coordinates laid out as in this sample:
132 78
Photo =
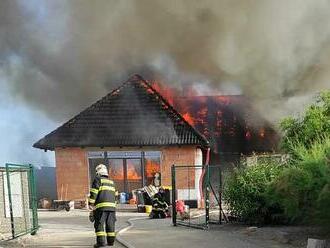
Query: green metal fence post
173 195
10 202
34 200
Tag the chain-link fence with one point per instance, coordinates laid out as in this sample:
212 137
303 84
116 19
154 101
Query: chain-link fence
18 202
196 195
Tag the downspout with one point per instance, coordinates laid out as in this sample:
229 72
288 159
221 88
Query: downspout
207 161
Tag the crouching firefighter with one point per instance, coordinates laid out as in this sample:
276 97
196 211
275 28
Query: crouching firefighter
102 202
159 205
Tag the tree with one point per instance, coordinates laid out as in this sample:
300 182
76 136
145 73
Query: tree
314 123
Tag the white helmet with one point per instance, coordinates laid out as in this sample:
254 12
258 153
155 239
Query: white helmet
101 170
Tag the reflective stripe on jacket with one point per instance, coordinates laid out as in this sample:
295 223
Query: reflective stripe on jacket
103 194
158 202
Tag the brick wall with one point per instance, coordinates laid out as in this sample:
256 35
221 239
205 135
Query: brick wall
71 173
178 156
72 170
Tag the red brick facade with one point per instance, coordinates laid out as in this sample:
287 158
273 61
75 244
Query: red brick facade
178 156
72 170
71 173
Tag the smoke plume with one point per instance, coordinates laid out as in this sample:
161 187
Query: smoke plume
60 56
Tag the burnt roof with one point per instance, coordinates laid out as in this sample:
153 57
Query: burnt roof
230 123
134 114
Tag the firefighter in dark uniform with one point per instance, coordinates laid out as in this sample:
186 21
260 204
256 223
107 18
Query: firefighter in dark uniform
159 205
102 201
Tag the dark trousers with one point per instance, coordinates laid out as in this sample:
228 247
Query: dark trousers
157 214
105 219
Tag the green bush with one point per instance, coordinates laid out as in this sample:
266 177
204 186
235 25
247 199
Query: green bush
288 192
301 190
244 192
322 214
298 192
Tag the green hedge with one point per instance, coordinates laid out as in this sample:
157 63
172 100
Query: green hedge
302 190
298 192
245 192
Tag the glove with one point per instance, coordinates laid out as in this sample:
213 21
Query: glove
91 216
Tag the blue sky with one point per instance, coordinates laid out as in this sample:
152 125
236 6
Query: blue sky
20 127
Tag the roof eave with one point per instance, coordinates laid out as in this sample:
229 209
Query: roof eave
53 147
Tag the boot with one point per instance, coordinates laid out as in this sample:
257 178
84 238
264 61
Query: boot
100 242
110 241
100 245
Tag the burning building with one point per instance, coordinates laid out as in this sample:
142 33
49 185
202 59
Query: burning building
133 130
229 122
137 131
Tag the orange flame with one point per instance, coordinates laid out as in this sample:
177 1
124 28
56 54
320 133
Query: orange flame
117 174
152 167
168 93
188 118
132 174
212 115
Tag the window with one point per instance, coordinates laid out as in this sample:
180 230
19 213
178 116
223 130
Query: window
151 165
94 159
129 169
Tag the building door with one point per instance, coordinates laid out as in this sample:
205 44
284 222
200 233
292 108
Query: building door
128 169
134 174
116 173
126 173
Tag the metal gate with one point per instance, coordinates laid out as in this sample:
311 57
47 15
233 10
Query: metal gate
196 195
18 201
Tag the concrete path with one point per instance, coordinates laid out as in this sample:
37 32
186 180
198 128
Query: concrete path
160 233
66 229
72 229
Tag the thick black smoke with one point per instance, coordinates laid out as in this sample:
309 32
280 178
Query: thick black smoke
60 56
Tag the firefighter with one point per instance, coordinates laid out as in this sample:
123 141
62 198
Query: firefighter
159 205
102 202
